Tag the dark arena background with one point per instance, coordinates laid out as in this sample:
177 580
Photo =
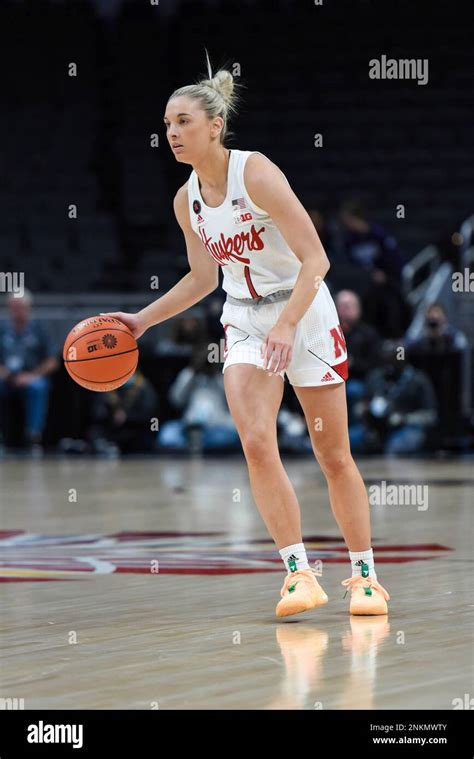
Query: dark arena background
137 572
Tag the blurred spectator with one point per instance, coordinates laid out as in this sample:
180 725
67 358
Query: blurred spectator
327 231
439 338
206 422
292 430
291 425
214 305
362 340
122 418
368 246
184 334
363 346
440 352
398 410
27 358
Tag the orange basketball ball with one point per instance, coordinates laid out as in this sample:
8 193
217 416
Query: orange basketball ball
100 353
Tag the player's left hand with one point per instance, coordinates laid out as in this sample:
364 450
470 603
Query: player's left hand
277 348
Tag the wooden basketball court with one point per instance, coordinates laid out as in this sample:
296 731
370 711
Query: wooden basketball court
152 583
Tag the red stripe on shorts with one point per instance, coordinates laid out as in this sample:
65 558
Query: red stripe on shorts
341 369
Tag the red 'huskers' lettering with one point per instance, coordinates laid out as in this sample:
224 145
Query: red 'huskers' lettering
339 341
229 248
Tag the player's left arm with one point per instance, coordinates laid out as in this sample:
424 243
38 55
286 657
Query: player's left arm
270 190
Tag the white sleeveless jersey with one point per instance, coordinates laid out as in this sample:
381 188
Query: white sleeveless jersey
242 238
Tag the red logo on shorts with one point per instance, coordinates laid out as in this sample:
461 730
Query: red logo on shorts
339 341
327 377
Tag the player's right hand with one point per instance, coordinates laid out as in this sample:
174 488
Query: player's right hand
132 321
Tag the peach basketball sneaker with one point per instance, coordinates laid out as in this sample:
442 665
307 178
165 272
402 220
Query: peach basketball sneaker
367 595
300 592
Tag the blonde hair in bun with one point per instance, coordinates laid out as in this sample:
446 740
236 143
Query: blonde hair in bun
217 95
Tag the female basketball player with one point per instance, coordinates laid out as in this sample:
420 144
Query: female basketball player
238 211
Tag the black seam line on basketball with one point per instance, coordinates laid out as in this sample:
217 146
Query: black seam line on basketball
104 382
325 362
95 331
96 358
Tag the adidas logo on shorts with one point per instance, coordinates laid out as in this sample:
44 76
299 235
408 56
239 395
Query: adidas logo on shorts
327 377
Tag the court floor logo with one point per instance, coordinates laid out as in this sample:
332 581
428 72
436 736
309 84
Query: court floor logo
28 557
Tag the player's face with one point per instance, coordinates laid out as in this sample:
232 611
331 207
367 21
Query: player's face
188 130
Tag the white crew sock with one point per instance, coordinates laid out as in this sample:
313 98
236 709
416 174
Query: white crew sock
294 557
358 558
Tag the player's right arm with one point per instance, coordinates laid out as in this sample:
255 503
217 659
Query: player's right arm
202 279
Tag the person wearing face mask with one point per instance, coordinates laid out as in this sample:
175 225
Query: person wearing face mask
398 410
441 352
439 336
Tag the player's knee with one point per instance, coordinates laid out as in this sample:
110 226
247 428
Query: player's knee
259 442
334 461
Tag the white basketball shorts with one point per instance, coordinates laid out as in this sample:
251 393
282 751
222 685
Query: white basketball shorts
319 355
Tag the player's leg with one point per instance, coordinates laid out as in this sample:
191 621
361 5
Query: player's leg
325 410
254 397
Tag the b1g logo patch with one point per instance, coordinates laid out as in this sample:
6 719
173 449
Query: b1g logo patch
196 206
241 218
240 212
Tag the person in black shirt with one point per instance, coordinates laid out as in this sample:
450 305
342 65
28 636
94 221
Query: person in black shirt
398 410
442 351
122 418
363 345
362 340
371 248
439 337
